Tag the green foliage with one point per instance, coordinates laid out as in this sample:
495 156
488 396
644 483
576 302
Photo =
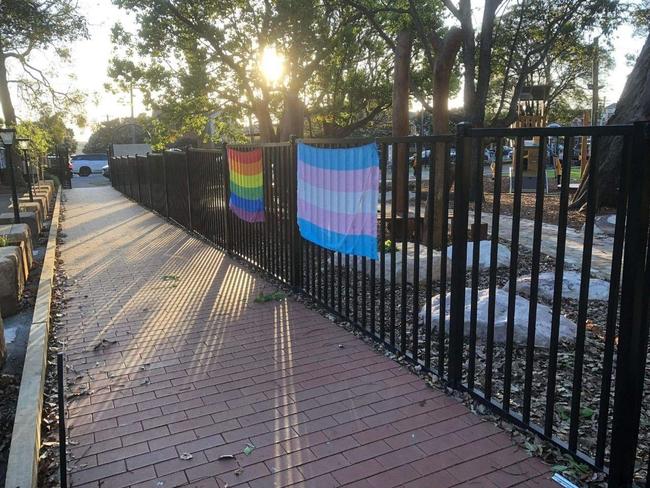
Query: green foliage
545 42
51 176
45 134
193 59
118 131
640 11
4 241
25 28
39 138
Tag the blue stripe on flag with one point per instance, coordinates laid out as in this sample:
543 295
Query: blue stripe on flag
245 204
339 159
357 245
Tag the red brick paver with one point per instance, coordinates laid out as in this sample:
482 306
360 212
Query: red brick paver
163 331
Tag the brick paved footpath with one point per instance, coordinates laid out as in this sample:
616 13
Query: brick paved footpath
189 363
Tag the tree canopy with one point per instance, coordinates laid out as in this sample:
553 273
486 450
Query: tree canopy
28 26
46 133
120 131
210 57
194 61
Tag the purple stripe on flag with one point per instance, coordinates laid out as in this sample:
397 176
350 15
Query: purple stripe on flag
354 180
246 215
348 224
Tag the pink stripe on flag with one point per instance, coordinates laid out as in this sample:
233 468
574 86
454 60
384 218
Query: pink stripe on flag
353 180
348 224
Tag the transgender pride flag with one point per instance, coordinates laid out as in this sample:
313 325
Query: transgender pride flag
338 191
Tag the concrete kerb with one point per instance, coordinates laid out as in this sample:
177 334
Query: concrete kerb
22 468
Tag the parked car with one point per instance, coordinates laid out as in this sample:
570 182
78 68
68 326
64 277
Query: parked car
86 164
106 171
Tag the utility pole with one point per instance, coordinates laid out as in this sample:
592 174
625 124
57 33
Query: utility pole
132 115
594 85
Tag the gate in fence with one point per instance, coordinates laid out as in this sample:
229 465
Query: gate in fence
543 318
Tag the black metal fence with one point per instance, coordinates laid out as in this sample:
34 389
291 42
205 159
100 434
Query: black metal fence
59 165
582 388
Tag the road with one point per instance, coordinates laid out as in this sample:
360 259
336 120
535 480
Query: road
91 181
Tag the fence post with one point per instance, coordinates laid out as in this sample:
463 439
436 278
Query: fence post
110 170
296 239
226 192
189 191
149 173
164 170
633 325
459 254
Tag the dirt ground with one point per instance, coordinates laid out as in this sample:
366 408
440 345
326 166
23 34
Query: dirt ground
551 205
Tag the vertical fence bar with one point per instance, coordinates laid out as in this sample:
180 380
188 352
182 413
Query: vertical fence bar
164 172
415 345
405 242
557 289
429 213
296 252
512 275
382 244
534 281
633 331
446 177
393 238
492 285
226 196
63 456
477 144
459 255
189 190
612 305
576 391
150 173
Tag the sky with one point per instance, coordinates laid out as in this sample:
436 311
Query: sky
90 59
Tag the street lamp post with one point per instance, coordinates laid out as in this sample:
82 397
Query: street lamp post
7 136
23 144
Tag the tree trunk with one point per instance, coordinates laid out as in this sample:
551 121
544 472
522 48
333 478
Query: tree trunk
292 122
468 55
633 105
444 63
401 77
5 97
267 133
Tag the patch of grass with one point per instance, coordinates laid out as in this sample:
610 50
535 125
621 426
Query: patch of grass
575 174
275 296
169 278
4 241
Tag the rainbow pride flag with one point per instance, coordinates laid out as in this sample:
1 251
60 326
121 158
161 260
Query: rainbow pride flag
338 191
246 184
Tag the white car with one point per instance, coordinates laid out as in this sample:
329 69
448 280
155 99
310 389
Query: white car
86 164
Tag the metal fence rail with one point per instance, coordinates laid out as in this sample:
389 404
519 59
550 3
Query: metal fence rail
431 219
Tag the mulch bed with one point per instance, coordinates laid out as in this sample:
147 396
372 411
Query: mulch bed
551 207
8 398
575 219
